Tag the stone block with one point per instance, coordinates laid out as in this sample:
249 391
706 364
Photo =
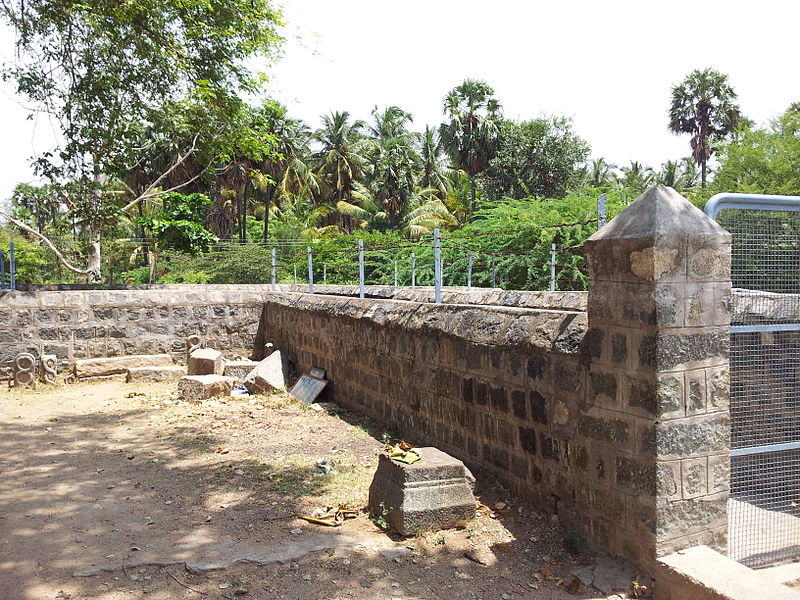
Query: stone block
171 373
200 387
272 373
701 573
95 367
434 493
239 369
205 361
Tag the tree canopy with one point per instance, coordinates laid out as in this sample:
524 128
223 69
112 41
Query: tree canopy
111 74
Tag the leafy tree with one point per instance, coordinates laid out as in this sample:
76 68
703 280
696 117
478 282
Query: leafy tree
704 106
179 227
763 160
541 158
107 71
472 135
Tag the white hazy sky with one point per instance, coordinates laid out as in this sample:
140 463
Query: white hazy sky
608 65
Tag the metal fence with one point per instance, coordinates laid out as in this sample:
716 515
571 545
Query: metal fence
764 505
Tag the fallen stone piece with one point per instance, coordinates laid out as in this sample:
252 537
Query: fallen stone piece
272 373
171 373
200 387
205 361
701 573
96 367
239 369
433 493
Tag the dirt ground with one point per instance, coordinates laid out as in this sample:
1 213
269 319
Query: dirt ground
115 491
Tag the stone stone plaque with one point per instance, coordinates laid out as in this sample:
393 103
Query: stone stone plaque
308 388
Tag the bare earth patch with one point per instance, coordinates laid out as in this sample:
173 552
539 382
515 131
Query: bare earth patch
116 491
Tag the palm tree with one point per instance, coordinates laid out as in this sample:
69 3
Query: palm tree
703 105
669 174
423 212
433 174
342 163
472 134
636 176
392 161
599 173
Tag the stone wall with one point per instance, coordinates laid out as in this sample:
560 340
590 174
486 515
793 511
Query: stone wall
615 418
95 323
73 322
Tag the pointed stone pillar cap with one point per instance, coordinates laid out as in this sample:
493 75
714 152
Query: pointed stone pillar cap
660 212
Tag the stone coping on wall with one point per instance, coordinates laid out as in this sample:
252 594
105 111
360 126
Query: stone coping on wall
152 295
524 328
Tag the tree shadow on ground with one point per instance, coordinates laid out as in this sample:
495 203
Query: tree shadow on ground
98 490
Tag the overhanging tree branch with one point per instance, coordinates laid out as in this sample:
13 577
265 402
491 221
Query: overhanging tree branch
61 258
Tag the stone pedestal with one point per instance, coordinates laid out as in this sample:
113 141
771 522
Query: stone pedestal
200 387
659 325
434 493
205 361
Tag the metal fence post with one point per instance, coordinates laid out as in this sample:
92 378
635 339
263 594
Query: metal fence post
295 273
12 266
494 274
395 273
274 269
2 270
413 270
324 273
360 268
469 272
552 267
601 210
437 267
310 271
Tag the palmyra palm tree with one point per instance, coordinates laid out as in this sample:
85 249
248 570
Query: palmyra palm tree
472 134
704 106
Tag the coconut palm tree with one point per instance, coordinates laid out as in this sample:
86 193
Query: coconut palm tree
636 176
423 212
471 136
704 106
599 173
433 174
341 161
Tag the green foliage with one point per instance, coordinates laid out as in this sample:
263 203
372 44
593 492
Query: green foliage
178 227
380 519
763 160
539 158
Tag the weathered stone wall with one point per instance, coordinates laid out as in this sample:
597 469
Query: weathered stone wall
616 419
95 323
74 323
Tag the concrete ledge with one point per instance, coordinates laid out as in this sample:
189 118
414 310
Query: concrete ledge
701 573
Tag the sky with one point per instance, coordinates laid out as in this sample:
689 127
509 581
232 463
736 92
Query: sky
609 66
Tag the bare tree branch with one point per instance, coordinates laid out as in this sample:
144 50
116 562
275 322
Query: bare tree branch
148 193
61 258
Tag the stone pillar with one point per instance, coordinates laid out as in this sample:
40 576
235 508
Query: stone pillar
659 296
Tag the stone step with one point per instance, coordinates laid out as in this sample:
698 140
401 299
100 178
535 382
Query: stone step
95 367
172 373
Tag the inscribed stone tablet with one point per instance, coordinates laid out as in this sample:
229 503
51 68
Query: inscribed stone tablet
308 388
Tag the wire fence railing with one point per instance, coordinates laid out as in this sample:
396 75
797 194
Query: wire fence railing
528 257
